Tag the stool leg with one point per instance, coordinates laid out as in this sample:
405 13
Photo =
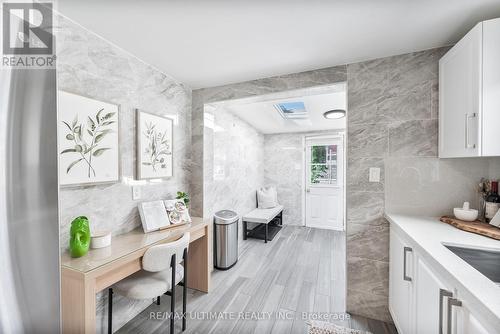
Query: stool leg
172 297
184 292
110 311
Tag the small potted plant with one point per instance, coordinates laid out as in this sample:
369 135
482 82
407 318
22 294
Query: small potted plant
184 196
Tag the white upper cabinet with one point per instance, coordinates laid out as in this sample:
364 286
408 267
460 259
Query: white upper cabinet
491 88
469 94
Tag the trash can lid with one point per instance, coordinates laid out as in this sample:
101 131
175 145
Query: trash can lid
226 215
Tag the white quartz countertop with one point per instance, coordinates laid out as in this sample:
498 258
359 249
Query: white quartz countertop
429 234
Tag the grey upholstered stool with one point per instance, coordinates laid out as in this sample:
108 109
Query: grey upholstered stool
160 267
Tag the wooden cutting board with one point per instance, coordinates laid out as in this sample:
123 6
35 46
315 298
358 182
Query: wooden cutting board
474 227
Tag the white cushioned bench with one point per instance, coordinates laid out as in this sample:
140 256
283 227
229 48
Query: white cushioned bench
262 216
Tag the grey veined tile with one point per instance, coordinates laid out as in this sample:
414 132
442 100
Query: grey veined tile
435 100
415 104
365 208
358 172
370 305
368 275
376 106
414 138
368 241
367 140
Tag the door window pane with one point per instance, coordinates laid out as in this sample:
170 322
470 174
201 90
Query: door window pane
319 173
318 154
323 164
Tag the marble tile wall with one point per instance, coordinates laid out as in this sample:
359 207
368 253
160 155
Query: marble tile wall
93 67
236 167
392 117
283 168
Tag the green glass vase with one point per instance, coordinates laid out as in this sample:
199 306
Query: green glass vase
79 241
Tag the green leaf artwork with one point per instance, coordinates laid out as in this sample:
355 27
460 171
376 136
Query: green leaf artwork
158 147
86 136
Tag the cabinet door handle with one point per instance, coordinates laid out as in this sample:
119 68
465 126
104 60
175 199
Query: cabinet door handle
405 250
442 293
467 118
451 302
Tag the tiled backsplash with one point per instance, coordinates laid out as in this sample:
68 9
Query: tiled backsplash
432 186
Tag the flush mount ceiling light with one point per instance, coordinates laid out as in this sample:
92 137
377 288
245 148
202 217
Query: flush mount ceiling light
334 114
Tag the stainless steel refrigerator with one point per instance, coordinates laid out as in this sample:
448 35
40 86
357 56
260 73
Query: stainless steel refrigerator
29 228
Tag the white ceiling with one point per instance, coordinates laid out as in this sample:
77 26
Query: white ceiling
210 43
261 113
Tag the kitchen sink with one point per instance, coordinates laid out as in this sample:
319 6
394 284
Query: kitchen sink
487 262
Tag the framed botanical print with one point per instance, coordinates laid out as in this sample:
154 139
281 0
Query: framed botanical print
154 146
88 140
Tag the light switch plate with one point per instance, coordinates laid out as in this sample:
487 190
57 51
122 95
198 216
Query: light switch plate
374 175
136 193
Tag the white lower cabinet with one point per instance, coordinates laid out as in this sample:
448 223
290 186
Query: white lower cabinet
466 322
400 285
431 297
421 301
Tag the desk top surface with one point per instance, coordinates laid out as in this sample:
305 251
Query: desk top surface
125 244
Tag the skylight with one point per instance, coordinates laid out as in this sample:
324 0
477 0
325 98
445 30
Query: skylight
292 110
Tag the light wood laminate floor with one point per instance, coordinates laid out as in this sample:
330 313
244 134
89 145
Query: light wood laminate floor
301 270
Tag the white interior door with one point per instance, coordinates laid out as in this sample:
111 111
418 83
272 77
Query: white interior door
324 184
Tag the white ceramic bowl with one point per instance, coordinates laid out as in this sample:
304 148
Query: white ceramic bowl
466 215
100 239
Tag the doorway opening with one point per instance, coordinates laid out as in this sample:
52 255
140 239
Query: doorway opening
259 141
292 142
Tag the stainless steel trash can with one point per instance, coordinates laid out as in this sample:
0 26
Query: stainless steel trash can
225 239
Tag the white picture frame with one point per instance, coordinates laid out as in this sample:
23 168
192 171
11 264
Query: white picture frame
88 140
154 146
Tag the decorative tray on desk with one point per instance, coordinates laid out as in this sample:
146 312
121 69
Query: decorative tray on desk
476 227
